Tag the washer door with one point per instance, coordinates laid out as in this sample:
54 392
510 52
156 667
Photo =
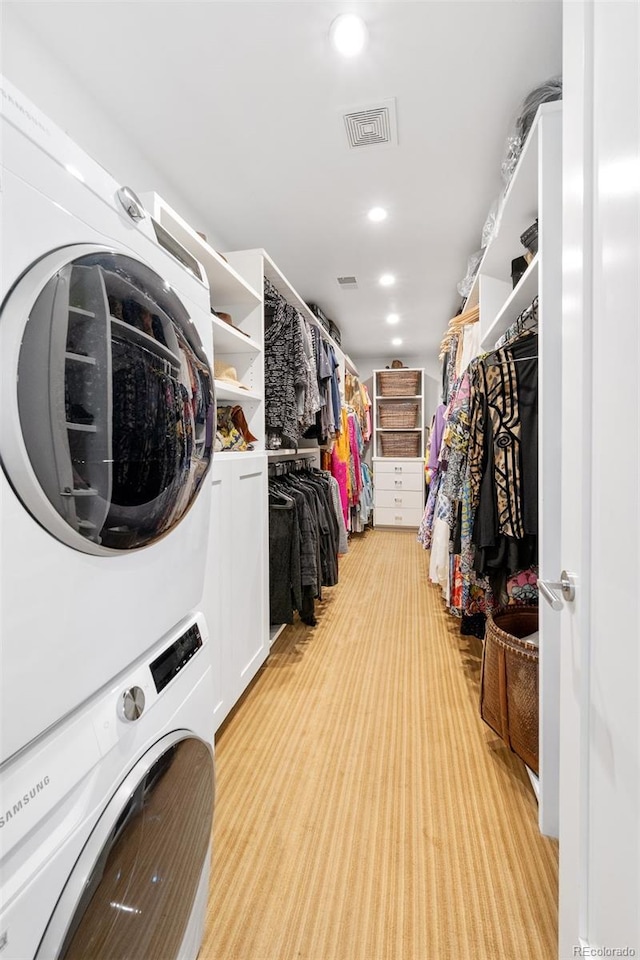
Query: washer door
133 888
107 412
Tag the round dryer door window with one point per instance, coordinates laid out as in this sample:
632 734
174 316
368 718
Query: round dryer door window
114 401
138 888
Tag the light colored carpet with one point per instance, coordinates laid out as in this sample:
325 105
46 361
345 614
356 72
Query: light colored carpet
364 811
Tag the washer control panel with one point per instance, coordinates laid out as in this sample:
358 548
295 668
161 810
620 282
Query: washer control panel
174 657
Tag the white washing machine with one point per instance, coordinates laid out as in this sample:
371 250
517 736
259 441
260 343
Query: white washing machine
105 824
106 427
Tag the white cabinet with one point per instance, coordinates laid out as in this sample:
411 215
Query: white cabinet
236 599
398 492
398 447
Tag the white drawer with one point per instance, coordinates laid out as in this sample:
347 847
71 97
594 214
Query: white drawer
398 467
384 517
399 499
401 481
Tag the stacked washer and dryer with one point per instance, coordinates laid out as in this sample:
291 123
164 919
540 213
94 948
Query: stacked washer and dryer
106 436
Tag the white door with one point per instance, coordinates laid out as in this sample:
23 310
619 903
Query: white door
600 719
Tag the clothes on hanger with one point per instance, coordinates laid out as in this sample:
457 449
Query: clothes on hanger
481 519
305 537
302 379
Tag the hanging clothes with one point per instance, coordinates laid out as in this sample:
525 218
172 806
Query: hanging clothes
304 543
481 515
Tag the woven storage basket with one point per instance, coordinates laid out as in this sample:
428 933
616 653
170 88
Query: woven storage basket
400 444
509 681
399 383
397 416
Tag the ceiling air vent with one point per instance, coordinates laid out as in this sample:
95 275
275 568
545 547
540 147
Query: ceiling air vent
372 124
348 283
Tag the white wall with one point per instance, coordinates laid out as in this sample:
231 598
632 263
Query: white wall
51 86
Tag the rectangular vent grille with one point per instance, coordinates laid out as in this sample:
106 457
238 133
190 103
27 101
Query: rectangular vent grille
347 281
370 125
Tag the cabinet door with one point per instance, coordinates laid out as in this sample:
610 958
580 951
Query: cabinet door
248 549
217 590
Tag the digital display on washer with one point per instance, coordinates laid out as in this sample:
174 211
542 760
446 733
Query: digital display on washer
171 661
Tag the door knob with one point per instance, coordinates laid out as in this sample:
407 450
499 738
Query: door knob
567 584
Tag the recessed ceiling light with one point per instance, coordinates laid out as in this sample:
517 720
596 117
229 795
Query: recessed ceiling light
396 342
348 34
387 280
376 214
393 318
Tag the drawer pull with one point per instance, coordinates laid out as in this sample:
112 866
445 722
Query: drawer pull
398 500
398 517
398 483
398 469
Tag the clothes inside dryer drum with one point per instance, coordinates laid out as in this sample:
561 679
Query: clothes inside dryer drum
139 896
115 399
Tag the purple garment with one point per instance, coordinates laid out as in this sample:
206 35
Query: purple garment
436 438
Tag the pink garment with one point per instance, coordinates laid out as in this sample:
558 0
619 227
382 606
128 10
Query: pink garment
356 486
340 471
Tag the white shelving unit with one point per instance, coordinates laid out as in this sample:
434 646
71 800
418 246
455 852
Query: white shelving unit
257 264
532 180
535 191
240 345
398 481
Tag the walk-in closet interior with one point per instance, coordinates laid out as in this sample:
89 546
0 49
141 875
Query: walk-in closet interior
319 437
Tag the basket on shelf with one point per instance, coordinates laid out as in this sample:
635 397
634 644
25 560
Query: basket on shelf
399 383
509 681
400 444
398 416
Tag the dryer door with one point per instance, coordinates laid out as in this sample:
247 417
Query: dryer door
107 400
133 889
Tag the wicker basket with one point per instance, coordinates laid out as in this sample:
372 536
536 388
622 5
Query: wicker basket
509 681
398 416
398 383
400 444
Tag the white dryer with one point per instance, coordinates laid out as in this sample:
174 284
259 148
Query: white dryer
105 823
106 427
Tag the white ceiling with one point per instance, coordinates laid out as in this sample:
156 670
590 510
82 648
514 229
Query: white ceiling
240 105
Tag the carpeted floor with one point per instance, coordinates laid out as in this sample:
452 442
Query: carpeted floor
364 811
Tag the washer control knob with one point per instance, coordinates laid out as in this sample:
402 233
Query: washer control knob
132 704
131 203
